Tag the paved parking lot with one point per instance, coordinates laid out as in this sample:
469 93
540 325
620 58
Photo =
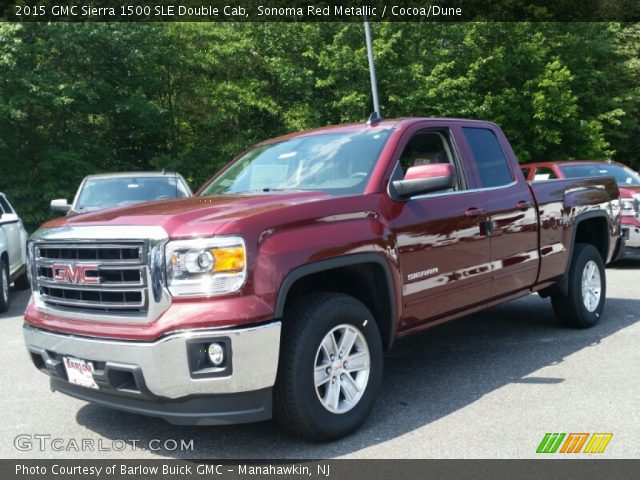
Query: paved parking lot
486 386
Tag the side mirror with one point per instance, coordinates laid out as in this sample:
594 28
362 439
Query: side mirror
8 217
425 179
60 205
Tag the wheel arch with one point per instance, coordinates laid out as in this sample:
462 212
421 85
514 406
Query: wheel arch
588 227
593 228
365 276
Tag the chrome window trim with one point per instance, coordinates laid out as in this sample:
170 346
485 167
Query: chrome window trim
455 192
470 190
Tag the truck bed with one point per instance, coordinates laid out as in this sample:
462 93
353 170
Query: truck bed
560 203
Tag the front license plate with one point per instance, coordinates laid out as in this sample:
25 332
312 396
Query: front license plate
79 372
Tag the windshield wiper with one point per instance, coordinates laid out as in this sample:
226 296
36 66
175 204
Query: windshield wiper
265 189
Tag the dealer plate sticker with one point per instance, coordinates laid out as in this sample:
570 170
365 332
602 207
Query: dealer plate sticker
79 372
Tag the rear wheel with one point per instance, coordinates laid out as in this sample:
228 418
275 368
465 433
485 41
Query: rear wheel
4 286
583 304
330 367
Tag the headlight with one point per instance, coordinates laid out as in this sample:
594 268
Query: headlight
204 267
627 206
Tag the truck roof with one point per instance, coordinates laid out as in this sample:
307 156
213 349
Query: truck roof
402 122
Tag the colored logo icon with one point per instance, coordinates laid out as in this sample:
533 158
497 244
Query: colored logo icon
574 443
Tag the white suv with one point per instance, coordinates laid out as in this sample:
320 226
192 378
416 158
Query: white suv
13 252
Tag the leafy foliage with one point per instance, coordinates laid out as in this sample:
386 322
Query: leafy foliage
79 98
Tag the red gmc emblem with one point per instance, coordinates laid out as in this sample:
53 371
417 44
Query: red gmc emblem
75 273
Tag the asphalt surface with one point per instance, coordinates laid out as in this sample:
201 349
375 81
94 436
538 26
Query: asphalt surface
486 386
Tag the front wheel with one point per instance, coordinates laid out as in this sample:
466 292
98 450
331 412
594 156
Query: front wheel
583 304
330 367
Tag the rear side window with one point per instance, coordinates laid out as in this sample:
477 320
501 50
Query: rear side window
490 159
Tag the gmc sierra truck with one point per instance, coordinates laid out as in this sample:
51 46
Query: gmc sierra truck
277 288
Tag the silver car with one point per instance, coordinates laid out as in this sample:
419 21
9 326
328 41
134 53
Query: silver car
13 252
109 190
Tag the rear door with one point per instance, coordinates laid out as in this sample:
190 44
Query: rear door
444 252
512 219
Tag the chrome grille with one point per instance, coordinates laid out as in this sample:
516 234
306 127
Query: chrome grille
92 276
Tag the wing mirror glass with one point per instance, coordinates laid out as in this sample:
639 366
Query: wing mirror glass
425 179
60 205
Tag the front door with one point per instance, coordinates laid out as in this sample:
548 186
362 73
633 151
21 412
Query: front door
443 248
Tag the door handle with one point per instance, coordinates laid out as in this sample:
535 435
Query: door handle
474 212
522 205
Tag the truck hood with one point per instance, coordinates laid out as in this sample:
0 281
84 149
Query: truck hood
190 217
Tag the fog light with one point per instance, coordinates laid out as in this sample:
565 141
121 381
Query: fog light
216 354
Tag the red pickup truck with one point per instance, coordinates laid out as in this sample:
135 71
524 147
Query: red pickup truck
280 284
628 183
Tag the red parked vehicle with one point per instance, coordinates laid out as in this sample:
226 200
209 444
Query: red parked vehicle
283 281
628 183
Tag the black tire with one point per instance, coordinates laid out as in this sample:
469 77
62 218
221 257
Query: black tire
297 404
4 286
570 308
22 282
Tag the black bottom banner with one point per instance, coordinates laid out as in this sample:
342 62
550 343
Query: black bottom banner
318 469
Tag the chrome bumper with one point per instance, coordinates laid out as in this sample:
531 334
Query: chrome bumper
163 365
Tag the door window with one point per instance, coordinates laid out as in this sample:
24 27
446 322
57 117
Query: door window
490 160
428 148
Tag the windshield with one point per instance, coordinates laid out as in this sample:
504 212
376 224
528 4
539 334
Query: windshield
623 175
335 163
100 193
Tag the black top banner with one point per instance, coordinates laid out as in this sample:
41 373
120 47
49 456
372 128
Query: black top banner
319 11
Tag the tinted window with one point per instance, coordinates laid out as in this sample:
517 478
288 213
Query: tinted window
490 159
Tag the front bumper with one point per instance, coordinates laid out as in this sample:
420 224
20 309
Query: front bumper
161 378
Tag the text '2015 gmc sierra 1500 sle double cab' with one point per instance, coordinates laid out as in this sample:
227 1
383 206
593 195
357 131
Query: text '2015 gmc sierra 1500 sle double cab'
278 287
